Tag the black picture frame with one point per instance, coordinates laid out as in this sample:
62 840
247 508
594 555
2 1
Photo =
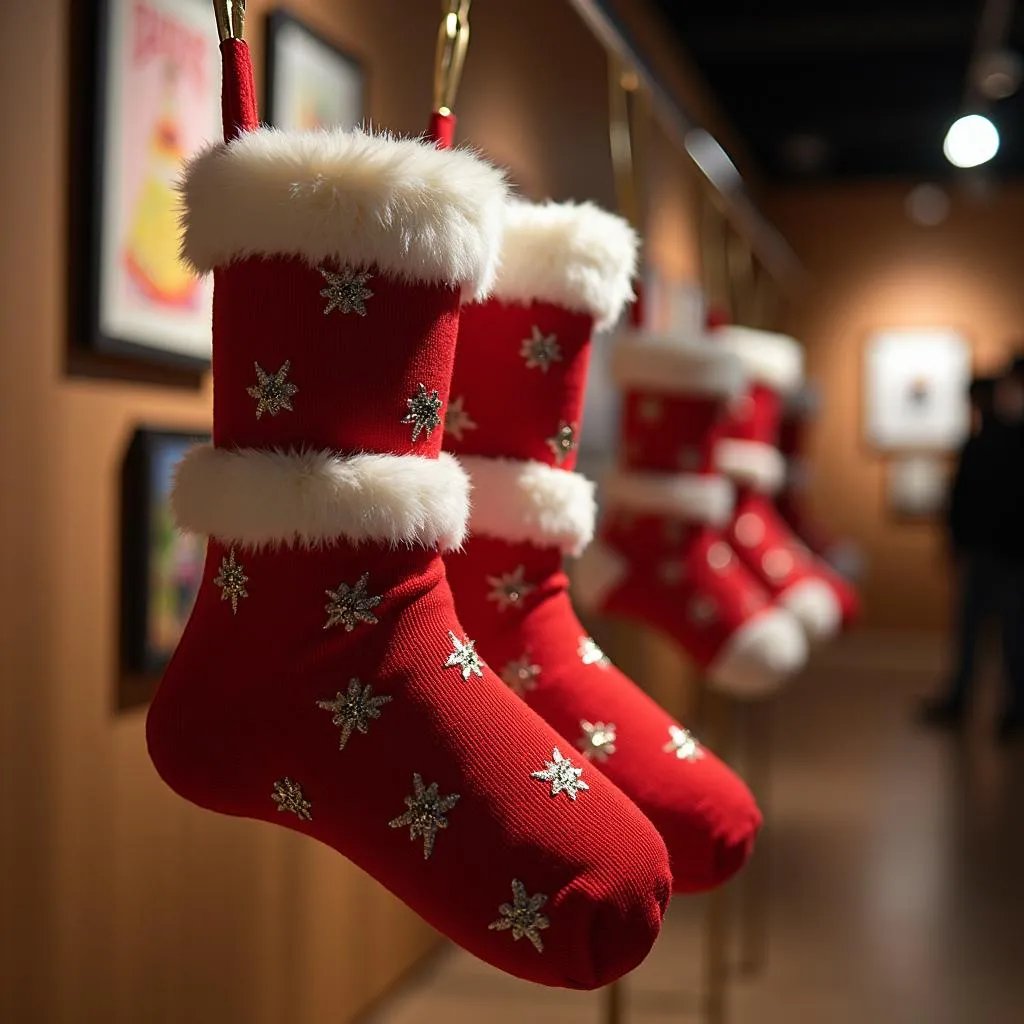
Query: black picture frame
161 568
284 30
97 116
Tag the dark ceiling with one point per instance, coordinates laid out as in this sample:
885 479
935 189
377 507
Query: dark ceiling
840 89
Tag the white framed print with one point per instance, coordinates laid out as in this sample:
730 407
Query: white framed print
310 82
915 389
153 100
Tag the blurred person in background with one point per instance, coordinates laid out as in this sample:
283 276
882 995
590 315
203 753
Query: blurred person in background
985 530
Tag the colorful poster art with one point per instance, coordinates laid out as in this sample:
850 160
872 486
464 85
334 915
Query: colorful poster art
311 84
162 104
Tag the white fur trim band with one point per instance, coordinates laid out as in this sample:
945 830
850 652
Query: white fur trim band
415 211
259 498
751 464
775 360
572 255
531 502
686 496
668 365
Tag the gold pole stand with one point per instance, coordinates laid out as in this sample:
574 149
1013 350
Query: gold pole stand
755 881
614 1000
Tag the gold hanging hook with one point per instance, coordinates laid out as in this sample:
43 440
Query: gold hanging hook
230 16
627 105
452 43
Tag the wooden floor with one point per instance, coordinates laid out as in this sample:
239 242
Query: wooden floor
896 862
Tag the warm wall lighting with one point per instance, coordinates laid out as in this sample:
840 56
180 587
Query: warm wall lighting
971 141
629 81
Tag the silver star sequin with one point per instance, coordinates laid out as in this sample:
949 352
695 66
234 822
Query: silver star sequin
651 409
719 556
509 588
520 675
348 605
683 744
749 529
465 658
598 740
423 414
522 916
671 573
288 796
354 710
456 420
426 813
703 611
688 458
272 391
232 580
563 776
591 654
540 350
563 442
778 564
345 291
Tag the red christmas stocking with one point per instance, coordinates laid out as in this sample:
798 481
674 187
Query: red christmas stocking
518 391
800 408
663 559
324 682
747 452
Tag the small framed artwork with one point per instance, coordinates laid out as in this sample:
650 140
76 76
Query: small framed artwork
915 389
917 486
310 82
161 567
151 100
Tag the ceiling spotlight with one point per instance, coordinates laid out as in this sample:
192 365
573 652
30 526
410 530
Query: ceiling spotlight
971 141
997 75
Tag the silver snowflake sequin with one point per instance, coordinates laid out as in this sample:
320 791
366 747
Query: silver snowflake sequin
272 391
522 916
509 588
650 409
674 531
702 611
719 556
563 776
749 529
778 564
424 411
348 606
345 291
426 813
354 710
456 420
520 675
598 740
288 796
465 658
563 442
688 458
591 654
540 350
671 573
683 744
232 580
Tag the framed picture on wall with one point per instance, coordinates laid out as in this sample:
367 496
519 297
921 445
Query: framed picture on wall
310 82
915 389
161 567
151 100
917 486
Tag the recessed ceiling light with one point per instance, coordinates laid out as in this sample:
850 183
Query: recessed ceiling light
997 75
971 141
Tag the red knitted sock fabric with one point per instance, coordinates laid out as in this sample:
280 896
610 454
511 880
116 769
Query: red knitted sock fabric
746 451
324 682
663 558
519 382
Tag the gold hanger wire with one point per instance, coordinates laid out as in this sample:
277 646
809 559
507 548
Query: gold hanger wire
230 16
452 43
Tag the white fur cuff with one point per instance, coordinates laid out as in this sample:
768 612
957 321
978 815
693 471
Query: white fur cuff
261 498
572 255
673 366
531 502
686 496
752 464
415 211
775 360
